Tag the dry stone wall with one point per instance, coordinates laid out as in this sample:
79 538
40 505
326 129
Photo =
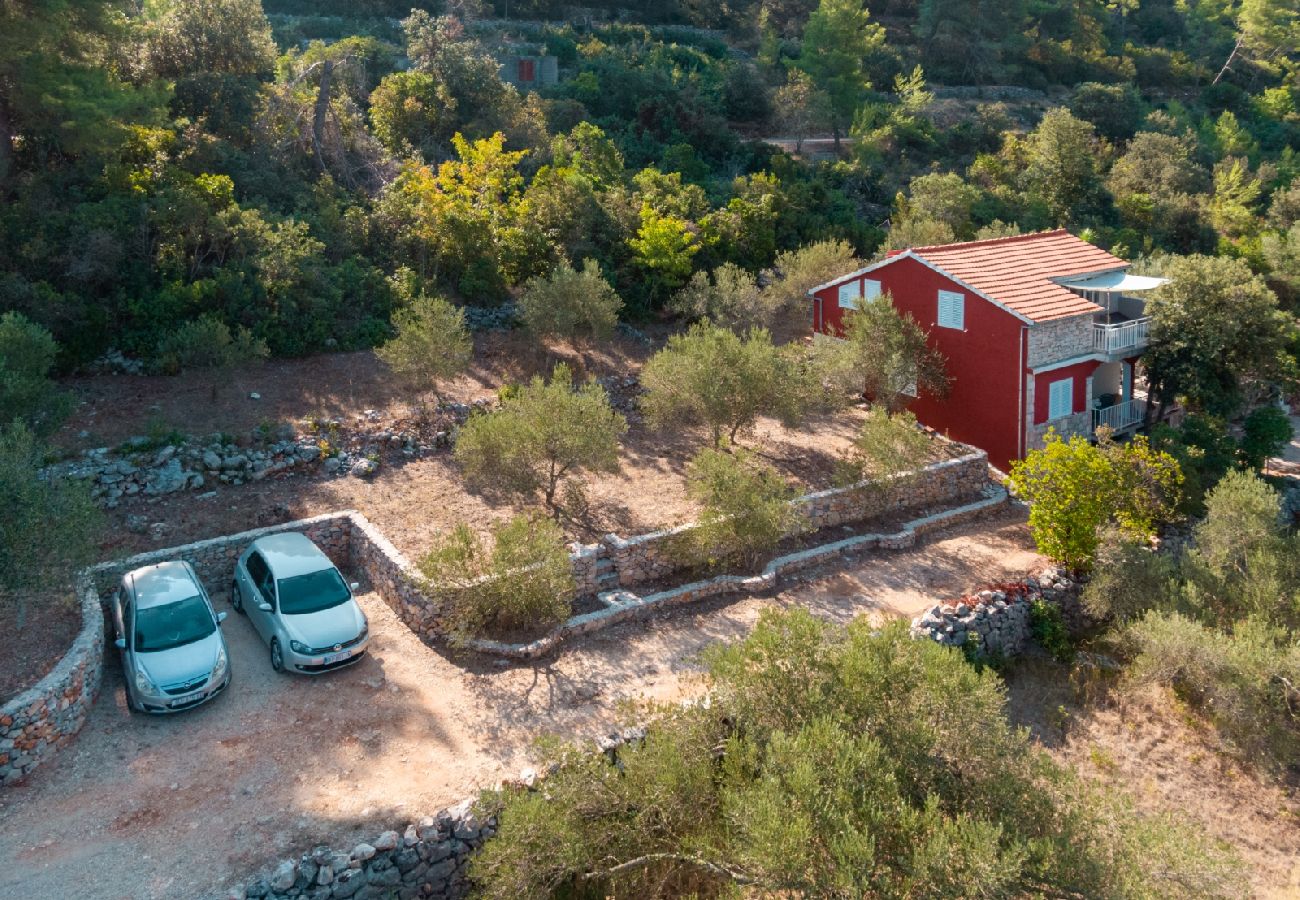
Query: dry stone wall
997 619
616 561
428 859
36 723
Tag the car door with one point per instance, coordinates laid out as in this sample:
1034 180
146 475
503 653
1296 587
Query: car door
259 588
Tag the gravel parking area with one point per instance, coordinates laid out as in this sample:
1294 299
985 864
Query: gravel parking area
152 808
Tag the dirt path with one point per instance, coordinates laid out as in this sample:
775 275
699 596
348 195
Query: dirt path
169 808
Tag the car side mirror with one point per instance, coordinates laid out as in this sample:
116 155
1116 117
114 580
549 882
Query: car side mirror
221 617
263 606
356 586
120 643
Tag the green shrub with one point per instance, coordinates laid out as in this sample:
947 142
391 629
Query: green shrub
1246 681
712 378
1265 432
27 354
746 507
836 761
1048 628
1128 578
570 303
432 343
208 343
50 527
523 582
1076 488
888 446
543 434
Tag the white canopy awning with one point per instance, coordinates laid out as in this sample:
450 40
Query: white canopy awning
1115 283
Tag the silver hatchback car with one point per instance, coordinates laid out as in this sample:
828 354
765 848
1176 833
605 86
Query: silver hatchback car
299 604
173 653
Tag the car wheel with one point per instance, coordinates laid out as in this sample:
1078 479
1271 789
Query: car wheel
236 598
277 655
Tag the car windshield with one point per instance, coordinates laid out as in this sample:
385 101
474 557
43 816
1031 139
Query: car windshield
172 625
312 592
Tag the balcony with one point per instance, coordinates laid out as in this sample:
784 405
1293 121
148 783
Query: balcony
1122 416
1120 338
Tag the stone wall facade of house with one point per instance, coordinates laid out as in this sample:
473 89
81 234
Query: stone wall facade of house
40 720
1058 340
1078 423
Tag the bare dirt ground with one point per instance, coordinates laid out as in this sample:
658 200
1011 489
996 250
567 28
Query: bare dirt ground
167 808
415 500
1150 747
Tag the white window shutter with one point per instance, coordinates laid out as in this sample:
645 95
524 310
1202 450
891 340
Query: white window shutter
1060 398
952 310
849 293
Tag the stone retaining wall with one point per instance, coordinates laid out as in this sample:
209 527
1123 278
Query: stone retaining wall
36 723
624 562
214 559
428 859
623 605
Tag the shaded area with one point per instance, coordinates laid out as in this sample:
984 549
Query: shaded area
164 808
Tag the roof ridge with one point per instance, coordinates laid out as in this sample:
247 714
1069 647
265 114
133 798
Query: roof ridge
986 242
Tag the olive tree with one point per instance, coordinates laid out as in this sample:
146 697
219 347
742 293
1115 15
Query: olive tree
713 378
835 761
745 507
544 433
885 355
570 303
432 343
729 296
50 526
521 580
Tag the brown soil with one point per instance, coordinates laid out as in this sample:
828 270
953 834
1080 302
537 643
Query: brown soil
28 654
1153 749
411 501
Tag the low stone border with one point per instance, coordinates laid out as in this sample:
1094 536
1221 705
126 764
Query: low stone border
429 859
625 606
40 720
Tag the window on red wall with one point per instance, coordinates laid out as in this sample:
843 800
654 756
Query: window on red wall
527 70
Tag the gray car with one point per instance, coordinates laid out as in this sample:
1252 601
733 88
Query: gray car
299 604
173 653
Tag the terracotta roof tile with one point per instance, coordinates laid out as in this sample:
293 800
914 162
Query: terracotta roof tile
1017 271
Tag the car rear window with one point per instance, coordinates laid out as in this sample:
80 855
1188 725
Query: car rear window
312 592
173 625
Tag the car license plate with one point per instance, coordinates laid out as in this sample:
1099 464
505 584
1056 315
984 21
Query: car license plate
335 657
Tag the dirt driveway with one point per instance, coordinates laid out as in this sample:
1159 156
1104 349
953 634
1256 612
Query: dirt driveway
171 808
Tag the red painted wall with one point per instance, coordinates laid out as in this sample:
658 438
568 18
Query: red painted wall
1079 372
984 359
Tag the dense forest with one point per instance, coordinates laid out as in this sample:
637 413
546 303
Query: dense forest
301 170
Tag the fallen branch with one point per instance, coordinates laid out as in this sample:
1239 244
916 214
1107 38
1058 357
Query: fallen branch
641 862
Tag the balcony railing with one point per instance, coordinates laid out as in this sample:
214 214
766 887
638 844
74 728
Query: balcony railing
1118 338
1127 414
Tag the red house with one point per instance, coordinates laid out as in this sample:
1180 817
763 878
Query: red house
1038 330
